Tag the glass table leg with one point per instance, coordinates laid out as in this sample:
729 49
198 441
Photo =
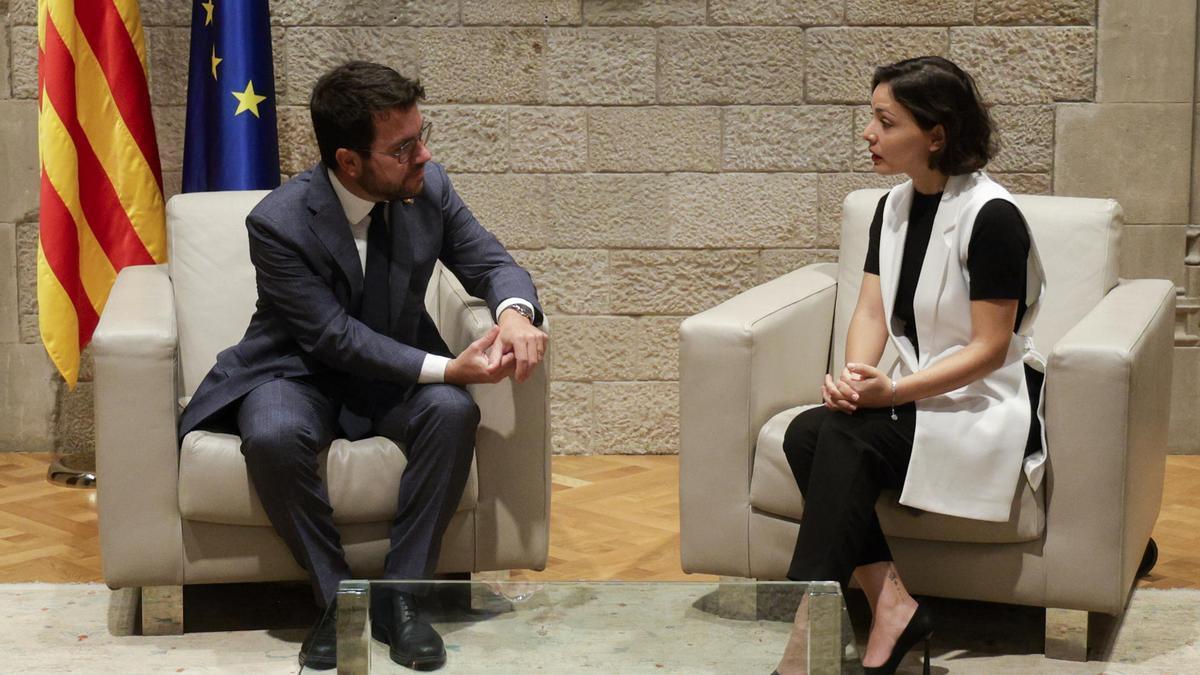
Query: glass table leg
824 627
354 628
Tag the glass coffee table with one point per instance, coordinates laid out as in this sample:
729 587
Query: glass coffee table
606 627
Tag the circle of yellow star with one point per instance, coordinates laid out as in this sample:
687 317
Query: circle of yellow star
208 9
215 60
247 100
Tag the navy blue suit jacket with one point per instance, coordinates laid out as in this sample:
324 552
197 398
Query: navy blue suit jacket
310 287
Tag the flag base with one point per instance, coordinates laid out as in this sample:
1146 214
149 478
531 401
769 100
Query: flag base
70 471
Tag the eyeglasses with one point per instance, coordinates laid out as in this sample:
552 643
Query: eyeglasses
404 153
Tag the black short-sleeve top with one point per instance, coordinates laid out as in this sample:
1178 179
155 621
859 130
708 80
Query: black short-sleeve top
996 263
996 255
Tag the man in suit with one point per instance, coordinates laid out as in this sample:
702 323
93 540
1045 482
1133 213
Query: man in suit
340 343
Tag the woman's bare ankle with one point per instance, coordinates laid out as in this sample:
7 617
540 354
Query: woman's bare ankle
893 595
894 607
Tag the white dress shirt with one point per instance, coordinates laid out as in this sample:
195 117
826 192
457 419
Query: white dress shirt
358 215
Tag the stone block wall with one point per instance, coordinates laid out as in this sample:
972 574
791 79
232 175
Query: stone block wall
647 159
29 386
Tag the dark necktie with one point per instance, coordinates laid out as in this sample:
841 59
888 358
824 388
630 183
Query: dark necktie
376 300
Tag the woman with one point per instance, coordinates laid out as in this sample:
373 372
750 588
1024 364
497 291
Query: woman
951 280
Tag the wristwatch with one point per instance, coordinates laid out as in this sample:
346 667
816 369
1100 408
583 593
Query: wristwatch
521 309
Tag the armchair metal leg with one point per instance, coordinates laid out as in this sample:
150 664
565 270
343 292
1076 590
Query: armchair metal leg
1066 634
162 610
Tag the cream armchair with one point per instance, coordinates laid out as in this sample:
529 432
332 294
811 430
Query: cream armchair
749 365
171 516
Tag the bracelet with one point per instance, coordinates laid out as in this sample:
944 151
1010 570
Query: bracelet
894 416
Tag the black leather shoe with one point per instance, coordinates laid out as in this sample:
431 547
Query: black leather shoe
414 643
319 650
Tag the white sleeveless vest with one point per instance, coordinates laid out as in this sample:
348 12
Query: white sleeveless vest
969 444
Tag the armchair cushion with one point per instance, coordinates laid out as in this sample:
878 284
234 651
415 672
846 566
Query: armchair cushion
773 490
361 476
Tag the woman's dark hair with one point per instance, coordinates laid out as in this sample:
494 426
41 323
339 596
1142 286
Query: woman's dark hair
345 100
937 92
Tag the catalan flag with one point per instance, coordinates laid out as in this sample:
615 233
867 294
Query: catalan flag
231 141
101 183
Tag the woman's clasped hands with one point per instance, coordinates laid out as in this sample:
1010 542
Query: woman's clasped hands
858 386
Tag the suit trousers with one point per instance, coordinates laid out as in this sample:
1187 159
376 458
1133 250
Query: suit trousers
841 464
285 423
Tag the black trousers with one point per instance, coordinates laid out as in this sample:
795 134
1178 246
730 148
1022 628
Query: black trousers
285 423
841 463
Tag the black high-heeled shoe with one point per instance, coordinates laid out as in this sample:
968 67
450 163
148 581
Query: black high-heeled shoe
919 629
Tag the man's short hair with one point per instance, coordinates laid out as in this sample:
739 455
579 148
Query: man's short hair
936 91
346 99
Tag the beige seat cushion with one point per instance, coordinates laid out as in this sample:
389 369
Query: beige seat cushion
773 490
362 477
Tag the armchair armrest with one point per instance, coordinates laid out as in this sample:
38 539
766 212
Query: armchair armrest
512 447
460 317
741 362
137 454
1108 384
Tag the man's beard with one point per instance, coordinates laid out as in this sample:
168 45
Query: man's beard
389 191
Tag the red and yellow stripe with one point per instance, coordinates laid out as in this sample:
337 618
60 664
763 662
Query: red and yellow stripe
101 191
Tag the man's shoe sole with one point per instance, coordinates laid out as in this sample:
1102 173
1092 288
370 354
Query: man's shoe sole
426 663
318 663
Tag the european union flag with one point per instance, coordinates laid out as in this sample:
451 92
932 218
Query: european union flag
231 141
